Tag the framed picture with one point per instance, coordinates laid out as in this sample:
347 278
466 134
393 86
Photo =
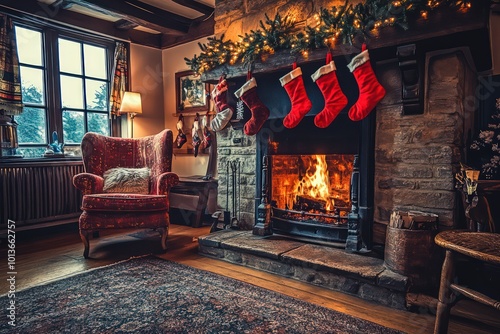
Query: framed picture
191 92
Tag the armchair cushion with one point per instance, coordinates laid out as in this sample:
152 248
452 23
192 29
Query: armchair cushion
125 202
126 180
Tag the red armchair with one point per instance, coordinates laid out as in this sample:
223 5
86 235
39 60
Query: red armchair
104 208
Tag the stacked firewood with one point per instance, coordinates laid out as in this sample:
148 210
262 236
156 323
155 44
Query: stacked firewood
413 220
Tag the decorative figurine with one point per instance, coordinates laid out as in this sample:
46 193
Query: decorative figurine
55 147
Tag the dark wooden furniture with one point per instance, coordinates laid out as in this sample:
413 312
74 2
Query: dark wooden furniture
476 245
192 190
480 214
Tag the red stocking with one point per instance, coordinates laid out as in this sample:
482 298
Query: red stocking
260 113
294 86
181 137
207 136
335 100
370 90
195 135
224 110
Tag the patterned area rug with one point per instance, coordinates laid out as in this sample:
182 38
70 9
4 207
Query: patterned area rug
152 295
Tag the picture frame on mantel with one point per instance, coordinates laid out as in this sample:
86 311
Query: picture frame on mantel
192 94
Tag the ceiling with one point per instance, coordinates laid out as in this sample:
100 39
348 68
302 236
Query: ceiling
157 23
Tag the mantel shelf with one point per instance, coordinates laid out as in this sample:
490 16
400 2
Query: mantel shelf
439 24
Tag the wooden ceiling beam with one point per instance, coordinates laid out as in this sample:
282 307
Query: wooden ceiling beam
197 6
39 12
197 30
36 11
164 14
139 13
125 25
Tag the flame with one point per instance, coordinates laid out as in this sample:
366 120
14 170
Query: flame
316 181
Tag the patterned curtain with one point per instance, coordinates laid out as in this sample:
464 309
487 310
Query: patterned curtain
11 100
120 78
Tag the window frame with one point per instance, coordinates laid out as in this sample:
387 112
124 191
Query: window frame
53 98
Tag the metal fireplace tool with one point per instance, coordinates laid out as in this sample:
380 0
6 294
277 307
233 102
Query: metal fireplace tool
230 219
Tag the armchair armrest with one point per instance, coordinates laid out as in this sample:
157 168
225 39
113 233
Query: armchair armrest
88 183
166 181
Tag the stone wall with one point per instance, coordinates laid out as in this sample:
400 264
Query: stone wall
416 156
245 152
235 17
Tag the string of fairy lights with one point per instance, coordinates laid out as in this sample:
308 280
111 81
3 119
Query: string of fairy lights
330 27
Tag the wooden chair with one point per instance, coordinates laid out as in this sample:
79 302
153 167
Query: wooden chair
476 245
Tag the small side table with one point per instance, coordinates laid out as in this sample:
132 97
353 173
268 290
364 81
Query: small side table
480 246
195 186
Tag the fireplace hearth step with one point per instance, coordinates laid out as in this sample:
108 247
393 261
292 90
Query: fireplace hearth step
361 275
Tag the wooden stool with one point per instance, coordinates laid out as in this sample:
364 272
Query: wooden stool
189 187
480 246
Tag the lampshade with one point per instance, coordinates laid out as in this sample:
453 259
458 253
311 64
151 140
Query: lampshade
131 103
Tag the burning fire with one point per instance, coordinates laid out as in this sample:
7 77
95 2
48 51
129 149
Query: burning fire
311 183
316 182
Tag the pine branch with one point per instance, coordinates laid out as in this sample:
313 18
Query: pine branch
345 24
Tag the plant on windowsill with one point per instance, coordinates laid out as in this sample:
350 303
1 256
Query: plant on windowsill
485 148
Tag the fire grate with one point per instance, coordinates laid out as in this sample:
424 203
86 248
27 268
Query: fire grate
314 226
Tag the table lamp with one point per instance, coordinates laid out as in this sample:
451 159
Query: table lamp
132 105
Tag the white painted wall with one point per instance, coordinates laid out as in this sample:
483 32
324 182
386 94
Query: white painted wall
173 61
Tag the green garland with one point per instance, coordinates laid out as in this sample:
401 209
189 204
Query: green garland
338 25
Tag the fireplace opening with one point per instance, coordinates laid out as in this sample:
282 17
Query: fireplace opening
310 195
344 150
317 184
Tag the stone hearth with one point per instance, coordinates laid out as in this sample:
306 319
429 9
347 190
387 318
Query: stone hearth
363 276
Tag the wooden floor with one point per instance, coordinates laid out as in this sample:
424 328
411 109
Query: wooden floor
53 253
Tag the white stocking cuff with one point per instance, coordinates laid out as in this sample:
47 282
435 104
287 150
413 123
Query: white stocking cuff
246 87
359 60
219 88
221 119
290 76
330 67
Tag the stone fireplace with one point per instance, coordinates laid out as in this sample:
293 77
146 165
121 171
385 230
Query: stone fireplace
407 162
407 149
402 157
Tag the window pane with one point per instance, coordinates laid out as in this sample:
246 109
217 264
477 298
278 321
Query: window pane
97 95
70 57
95 61
32 85
31 128
73 126
98 123
71 92
29 46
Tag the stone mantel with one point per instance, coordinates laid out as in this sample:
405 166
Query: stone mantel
431 31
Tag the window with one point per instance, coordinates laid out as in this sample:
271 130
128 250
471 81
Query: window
65 80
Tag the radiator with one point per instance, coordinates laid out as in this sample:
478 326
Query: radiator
34 193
